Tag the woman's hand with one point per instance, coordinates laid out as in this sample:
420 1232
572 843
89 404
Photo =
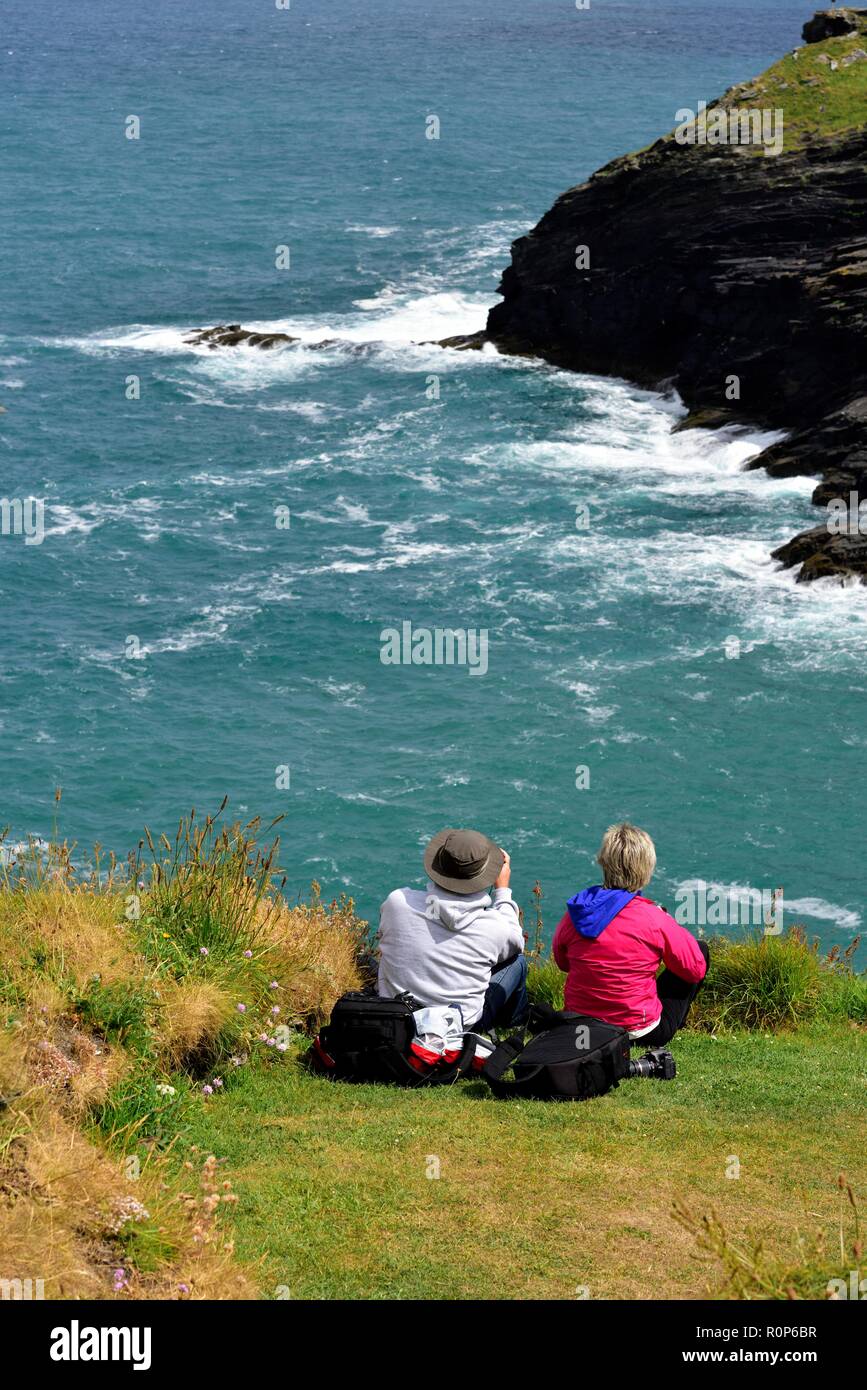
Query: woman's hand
503 877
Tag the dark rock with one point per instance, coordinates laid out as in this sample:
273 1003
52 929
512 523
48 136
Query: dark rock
704 264
709 418
830 24
821 554
232 335
464 342
836 447
835 443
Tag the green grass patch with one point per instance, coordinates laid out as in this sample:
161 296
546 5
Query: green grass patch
821 89
144 1109
119 1011
146 1246
816 98
534 1200
723 1181
546 982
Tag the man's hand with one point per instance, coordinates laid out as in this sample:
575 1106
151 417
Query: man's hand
503 877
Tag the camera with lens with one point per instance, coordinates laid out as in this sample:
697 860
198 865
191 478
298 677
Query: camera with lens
658 1063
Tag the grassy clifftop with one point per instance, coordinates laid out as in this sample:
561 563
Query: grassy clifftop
821 88
128 999
159 1137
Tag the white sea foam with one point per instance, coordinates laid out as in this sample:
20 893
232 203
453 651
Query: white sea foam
629 432
375 232
23 849
794 909
400 557
345 693
245 374
396 315
135 337
66 520
210 624
618 451
467 250
843 917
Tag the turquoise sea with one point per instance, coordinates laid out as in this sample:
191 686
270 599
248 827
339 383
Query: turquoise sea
168 643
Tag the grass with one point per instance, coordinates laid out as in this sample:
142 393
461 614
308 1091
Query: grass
540 1201
817 100
125 992
775 983
815 1270
159 1137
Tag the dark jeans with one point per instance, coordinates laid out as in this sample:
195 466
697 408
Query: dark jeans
506 1003
676 997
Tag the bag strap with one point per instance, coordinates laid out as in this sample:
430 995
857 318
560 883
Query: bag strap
611 1071
459 1067
501 1059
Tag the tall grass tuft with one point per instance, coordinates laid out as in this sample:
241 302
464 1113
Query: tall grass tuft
315 951
767 983
205 891
546 982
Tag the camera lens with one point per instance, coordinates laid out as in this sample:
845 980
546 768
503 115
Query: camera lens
658 1064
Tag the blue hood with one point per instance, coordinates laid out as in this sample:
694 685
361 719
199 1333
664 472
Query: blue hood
592 909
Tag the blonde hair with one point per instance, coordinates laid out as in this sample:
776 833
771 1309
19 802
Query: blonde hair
627 857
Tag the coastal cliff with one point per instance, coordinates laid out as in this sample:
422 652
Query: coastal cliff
733 272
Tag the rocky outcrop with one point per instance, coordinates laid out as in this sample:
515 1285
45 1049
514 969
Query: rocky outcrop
832 24
738 277
233 335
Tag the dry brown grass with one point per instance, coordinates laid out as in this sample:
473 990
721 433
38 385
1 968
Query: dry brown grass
77 933
70 1066
103 1019
192 1014
67 1207
313 950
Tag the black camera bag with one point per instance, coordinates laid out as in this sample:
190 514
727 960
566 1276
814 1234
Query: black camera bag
370 1039
572 1057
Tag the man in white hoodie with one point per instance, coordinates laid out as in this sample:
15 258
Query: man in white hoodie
455 943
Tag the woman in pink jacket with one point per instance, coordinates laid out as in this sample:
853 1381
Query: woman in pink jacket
612 941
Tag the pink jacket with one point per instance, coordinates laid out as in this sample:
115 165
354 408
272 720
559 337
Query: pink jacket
613 976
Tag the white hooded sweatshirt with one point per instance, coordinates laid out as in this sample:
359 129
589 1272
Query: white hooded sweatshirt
442 947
